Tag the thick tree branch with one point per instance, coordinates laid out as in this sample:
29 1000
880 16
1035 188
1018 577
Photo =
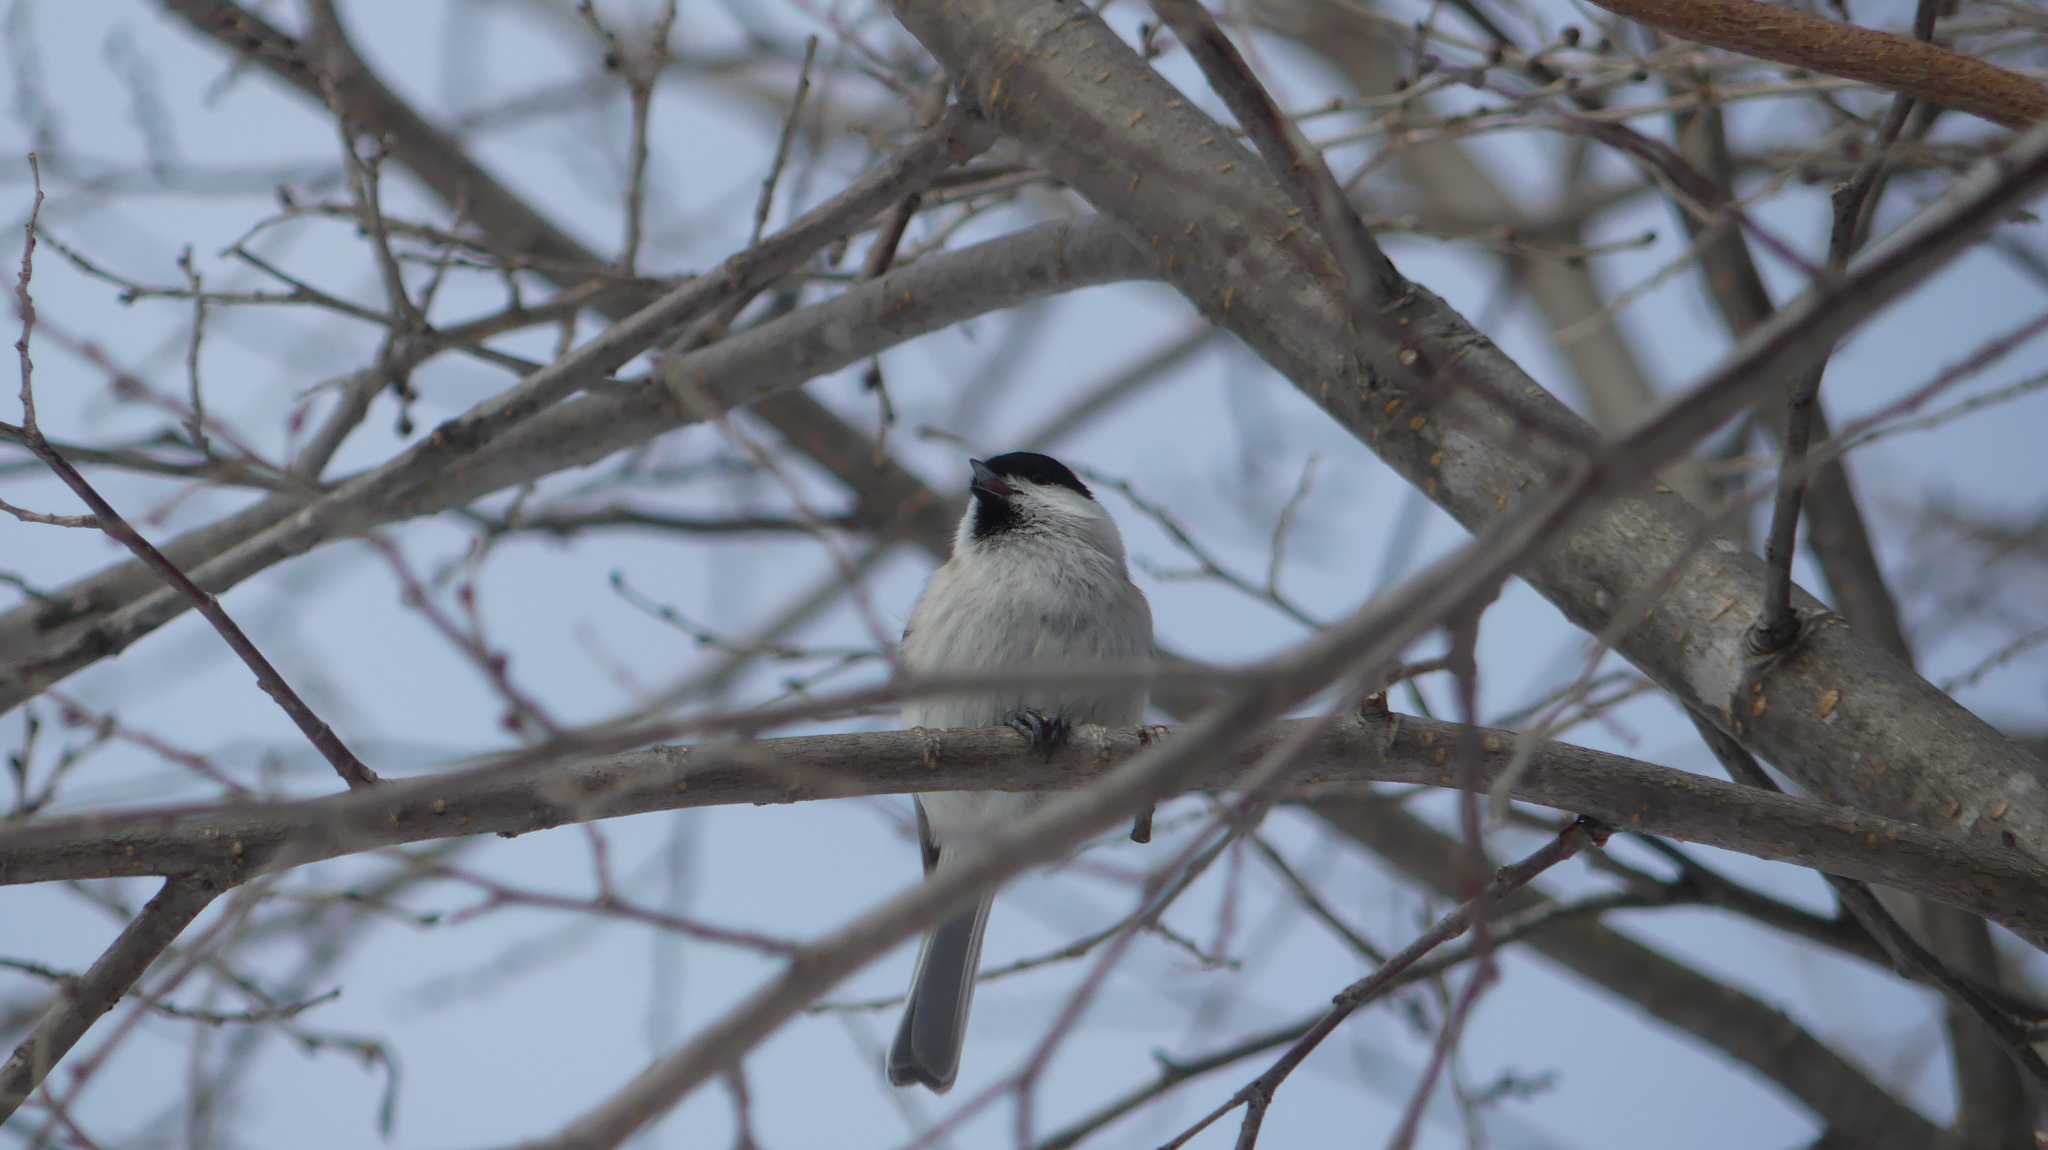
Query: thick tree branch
1445 173
1912 960
234 841
1895 63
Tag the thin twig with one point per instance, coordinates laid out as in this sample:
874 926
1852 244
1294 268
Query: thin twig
1283 526
195 424
45 518
1257 1095
1854 201
26 303
1314 902
882 256
274 1013
521 707
364 176
1176 1072
351 769
1482 976
789 123
606 904
642 75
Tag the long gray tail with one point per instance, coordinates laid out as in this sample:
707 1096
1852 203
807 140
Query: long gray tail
927 1046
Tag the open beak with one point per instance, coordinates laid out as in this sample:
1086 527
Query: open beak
988 481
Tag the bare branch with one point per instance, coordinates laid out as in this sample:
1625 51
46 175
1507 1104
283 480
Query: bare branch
76 1007
316 730
1175 1072
1912 960
1369 276
1897 63
238 839
47 519
1854 201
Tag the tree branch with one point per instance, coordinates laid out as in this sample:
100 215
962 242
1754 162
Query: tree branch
1175 1072
1447 176
1854 200
1910 958
316 730
231 842
1369 276
344 761
75 1008
1895 63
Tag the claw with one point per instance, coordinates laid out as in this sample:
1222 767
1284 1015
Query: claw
1045 732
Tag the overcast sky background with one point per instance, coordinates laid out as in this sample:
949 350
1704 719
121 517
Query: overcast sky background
509 1024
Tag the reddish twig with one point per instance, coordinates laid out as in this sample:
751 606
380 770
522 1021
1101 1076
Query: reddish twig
77 714
1790 36
1483 976
496 665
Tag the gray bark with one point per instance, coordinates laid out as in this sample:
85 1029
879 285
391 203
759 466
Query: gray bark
229 843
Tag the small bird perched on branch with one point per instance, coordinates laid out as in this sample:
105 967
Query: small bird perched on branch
1037 578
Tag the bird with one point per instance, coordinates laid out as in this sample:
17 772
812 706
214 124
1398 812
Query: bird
1037 577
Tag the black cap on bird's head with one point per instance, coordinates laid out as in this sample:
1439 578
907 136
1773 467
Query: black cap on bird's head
999 482
1029 466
